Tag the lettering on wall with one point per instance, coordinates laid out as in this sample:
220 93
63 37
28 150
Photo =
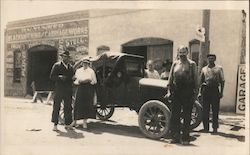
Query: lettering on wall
17 70
241 90
48 31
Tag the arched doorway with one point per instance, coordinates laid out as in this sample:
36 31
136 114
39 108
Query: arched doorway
151 48
40 61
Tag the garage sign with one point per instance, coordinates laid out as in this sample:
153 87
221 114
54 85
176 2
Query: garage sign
241 90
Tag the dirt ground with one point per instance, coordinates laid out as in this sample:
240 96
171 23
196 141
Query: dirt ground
26 130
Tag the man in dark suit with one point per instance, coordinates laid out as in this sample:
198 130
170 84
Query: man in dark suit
62 74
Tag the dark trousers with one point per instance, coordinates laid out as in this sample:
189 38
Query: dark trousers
211 99
182 102
58 98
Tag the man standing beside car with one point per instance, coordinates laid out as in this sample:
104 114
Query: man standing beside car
183 87
212 78
62 73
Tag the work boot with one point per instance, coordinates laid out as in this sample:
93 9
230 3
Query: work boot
215 131
175 141
204 130
185 142
85 126
73 124
68 127
55 128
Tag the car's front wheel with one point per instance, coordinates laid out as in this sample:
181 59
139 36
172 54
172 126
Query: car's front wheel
154 119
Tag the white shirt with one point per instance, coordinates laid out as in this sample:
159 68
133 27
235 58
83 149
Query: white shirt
85 74
152 74
214 74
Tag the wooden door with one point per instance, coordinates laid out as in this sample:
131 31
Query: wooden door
160 53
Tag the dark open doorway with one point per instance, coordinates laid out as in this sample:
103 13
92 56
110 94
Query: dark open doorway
136 50
40 61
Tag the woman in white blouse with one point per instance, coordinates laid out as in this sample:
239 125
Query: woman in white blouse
85 79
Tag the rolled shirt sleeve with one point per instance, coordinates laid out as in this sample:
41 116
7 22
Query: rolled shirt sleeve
222 78
93 77
76 82
195 71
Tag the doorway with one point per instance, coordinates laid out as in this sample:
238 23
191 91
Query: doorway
136 50
40 61
194 46
151 48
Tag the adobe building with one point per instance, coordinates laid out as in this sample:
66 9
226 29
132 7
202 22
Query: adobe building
33 45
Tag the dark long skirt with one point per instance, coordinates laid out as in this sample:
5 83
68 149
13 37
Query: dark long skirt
84 107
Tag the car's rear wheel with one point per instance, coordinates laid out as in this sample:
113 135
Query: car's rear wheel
154 119
104 112
196 115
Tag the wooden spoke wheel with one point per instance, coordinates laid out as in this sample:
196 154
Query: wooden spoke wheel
154 119
196 115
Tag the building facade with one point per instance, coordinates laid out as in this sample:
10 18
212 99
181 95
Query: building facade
33 45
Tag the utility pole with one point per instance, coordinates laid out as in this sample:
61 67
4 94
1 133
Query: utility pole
243 39
204 46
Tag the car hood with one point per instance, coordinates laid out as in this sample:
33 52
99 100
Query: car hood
153 82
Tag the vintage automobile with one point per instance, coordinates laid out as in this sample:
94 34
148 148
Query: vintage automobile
121 83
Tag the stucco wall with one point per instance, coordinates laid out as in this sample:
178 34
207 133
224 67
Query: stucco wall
225 35
116 27
123 26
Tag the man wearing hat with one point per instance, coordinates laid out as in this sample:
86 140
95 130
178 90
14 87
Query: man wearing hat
212 85
62 74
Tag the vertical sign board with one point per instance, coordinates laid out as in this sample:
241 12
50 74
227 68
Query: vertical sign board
241 90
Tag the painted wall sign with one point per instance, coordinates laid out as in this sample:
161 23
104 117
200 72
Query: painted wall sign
49 31
241 90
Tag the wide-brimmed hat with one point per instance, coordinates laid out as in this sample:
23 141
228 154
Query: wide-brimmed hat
65 53
211 55
86 61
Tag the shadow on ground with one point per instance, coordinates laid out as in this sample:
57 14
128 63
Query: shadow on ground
70 134
227 135
118 129
125 130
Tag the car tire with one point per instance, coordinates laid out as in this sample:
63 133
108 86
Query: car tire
154 114
196 116
104 113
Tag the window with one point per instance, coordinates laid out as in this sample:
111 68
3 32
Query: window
134 68
194 46
17 66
